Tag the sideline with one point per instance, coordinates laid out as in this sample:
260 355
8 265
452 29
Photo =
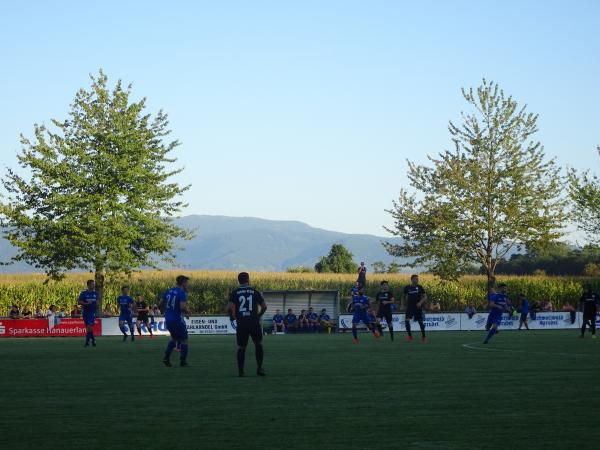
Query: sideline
471 346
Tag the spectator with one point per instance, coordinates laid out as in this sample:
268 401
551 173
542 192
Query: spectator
470 311
302 319
156 311
290 320
567 307
51 311
435 306
26 313
278 322
14 312
38 313
547 306
107 311
75 312
313 319
62 313
325 321
362 275
524 310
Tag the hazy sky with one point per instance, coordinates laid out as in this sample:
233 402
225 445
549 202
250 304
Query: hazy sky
306 110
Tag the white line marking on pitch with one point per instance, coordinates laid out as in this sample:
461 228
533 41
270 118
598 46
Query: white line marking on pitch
490 349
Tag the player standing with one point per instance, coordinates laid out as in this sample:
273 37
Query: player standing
497 306
243 307
589 307
414 298
362 275
360 306
142 316
87 299
385 299
175 300
125 303
524 309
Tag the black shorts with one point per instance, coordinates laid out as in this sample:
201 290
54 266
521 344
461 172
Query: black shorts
523 317
412 312
589 316
383 314
246 330
143 319
278 326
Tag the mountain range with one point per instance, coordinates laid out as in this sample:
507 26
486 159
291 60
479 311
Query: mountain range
235 243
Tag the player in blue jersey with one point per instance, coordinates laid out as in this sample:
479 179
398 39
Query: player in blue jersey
313 319
497 307
355 289
125 303
359 308
87 299
290 320
175 301
278 325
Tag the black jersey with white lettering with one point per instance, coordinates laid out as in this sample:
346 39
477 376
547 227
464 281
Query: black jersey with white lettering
589 300
414 294
247 302
384 297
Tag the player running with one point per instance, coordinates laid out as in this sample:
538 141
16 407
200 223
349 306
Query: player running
87 299
125 303
385 299
359 306
589 307
142 316
414 298
175 300
243 307
497 306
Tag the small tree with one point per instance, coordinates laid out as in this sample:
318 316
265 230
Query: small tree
584 191
393 267
378 267
98 195
493 193
339 260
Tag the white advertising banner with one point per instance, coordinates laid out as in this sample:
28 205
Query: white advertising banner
195 325
461 321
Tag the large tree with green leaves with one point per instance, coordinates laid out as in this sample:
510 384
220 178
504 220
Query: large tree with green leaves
95 192
475 204
339 260
584 191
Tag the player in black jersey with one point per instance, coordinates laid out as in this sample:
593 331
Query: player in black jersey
589 307
247 306
414 298
385 299
142 316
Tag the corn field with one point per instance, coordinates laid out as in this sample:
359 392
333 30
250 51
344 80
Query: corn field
208 290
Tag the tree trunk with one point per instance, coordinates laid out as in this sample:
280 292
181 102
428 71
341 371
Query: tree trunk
99 279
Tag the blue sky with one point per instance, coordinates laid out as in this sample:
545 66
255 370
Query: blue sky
307 110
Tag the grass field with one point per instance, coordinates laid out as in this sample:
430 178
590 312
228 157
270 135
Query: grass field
525 390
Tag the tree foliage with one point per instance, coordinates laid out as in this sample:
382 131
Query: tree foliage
379 267
96 192
339 260
584 191
494 192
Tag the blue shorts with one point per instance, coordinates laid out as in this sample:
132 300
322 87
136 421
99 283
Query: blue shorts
127 318
495 318
177 329
89 320
361 316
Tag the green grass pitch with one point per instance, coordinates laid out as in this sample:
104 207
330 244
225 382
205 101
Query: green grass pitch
537 389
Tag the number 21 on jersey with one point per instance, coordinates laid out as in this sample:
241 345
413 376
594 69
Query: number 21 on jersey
245 304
